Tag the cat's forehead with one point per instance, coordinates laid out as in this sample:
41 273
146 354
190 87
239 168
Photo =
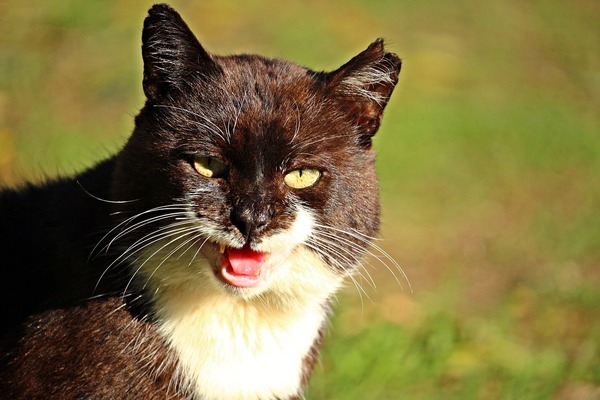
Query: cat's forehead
265 114
262 82
255 69
261 101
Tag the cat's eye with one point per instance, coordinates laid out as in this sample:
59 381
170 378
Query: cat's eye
302 178
209 167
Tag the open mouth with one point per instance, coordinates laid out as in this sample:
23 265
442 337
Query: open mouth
243 268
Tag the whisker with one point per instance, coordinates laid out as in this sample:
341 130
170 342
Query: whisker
337 256
394 262
369 252
298 120
239 112
382 255
197 251
182 232
182 235
355 233
351 259
153 237
323 139
317 248
142 243
129 220
140 225
101 199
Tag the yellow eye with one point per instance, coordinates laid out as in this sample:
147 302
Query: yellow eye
209 167
302 178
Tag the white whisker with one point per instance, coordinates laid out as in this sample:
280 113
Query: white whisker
144 241
181 232
177 248
317 247
380 254
101 199
353 261
128 220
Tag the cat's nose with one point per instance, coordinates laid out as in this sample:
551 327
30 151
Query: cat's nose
250 223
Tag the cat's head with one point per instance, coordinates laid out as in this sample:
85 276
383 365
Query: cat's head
246 175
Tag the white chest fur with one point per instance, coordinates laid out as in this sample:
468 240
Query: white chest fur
231 349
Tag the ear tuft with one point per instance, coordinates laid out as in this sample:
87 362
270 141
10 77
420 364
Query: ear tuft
363 87
172 54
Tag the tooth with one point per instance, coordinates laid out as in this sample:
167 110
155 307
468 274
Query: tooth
257 273
221 248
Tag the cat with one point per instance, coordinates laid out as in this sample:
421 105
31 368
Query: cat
201 260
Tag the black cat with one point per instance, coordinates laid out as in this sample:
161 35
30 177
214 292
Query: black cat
200 261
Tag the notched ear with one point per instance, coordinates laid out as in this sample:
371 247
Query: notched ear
363 87
172 54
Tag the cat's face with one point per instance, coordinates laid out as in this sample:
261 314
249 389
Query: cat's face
247 175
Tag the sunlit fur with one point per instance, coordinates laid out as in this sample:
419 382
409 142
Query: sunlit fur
376 74
245 345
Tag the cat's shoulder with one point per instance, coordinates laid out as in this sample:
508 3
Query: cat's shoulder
97 349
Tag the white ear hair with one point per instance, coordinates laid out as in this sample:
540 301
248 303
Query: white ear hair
378 73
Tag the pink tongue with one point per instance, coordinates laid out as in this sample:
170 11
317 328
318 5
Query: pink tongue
245 261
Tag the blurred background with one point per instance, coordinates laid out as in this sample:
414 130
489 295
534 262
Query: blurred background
489 159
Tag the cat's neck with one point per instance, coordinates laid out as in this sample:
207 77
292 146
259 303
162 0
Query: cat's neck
231 348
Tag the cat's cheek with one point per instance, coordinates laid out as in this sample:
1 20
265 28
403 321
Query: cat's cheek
285 241
303 276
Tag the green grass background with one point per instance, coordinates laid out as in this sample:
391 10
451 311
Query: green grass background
489 158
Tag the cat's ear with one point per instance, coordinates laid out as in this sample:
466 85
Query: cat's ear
363 87
172 54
